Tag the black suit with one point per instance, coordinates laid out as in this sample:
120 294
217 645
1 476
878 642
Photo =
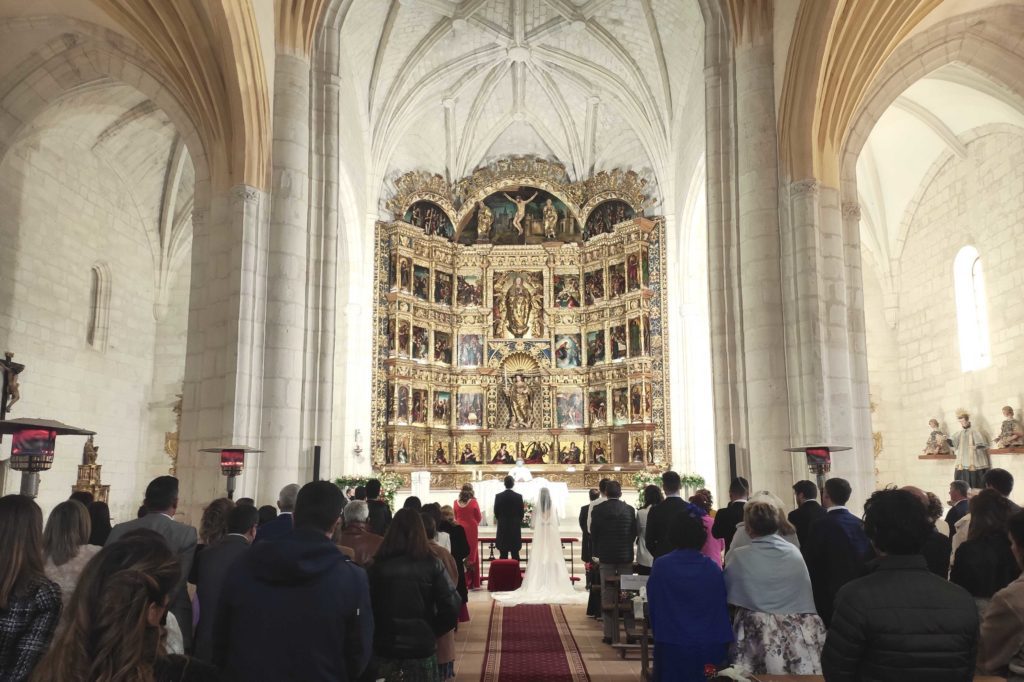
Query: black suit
585 551
276 528
726 521
835 554
211 572
380 516
508 512
659 520
803 516
955 513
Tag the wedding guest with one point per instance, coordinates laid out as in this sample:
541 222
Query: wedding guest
602 485
380 512
360 493
99 522
356 534
509 510
587 555
445 641
688 610
777 629
213 526
807 511
30 602
900 621
66 546
460 551
958 503
467 515
82 496
785 529
984 563
267 513
112 628
443 537
413 600
245 502
937 546
730 516
1001 644
284 522
412 502
644 560
659 519
613 534
713 548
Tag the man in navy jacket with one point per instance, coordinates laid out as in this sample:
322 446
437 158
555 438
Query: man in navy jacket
296 608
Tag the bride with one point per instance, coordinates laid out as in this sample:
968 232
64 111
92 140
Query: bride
547 579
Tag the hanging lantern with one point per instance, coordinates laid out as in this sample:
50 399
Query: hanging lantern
232 461
32 444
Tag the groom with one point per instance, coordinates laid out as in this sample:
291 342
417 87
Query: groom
508 512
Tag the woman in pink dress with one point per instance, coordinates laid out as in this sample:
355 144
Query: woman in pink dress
713 547
467 515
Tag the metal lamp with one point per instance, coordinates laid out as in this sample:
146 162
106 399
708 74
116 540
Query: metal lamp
232 461
32 445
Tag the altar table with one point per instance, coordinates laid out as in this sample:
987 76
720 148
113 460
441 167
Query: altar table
530 490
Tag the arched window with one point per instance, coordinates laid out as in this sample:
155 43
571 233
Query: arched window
99 307
971 310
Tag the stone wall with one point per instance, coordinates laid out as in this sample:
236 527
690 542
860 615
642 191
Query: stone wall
62 211
915 366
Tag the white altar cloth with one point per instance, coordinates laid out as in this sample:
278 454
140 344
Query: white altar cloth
530 490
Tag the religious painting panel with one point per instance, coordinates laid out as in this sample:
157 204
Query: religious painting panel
617 279
442 408
469 452
648 401
595 347
645 327
539 451
389 410
470 407
469 290
393 272
404 338
420 343
402 451
442 287
620 405
404 274
429 217
636 403
570 453
501 453
389 333
645 267
569 408
442 347
403 404
421 282
636 452
441 453
598 452
593 286
526 215
636 348
567 291
617 336
518 305
633 272
419 406
471 350
567 351
597 407
605 216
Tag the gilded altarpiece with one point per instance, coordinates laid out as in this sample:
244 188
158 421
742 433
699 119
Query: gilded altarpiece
521 319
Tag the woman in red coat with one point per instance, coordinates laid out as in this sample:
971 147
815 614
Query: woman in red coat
467 515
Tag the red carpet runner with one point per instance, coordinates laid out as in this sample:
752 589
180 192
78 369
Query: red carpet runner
531 642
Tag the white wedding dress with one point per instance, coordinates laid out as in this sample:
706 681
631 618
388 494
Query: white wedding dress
547 578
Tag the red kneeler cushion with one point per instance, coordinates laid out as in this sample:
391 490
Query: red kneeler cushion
504 576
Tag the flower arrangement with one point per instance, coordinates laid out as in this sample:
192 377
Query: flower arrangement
528 516
390 482
642 479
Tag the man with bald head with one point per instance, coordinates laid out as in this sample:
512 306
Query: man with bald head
937 548
282 523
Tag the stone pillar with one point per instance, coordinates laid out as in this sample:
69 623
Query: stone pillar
286 459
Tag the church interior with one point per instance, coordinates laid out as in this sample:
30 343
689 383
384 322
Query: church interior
436 241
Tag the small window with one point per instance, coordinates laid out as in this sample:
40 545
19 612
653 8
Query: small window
971 310
99 307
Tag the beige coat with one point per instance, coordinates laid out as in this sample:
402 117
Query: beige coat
1001 645
446 642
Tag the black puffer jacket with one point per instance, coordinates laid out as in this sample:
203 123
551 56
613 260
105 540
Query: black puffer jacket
613 531
414 602
901 623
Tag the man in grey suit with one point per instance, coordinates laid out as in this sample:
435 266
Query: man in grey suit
161 503
212 567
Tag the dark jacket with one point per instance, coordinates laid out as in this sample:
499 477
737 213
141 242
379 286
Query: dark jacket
294 609
211 570
613 531
835 553
936 551
276 528
985 565
726 521
414 602
900 623
955 513
508 513
460 552
585 549
380 516
803 516
659 520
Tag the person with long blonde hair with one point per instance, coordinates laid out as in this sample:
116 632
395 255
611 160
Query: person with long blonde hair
66 545
29 601
112 629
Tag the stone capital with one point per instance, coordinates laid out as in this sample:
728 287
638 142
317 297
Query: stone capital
804 187
851 209
246 193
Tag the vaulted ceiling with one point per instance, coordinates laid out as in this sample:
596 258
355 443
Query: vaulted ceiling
448 86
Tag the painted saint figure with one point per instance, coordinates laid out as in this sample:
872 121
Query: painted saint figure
439 457
971 449
1011 435
519 402
517 221
519 307
484 220
937 440
550 220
